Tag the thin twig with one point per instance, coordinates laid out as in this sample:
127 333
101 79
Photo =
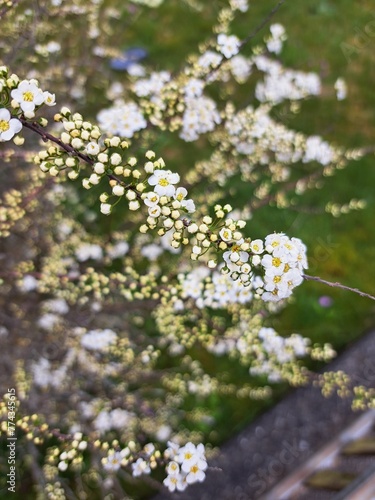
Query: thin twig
338 285
263 23
35 127
367 150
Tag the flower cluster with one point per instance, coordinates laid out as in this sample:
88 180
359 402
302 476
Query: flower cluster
241 5
98 339
317 149
200 116
284 262
107 420
153 86
188 466
166 202
228 45
240 67
341 89
124 119
215 290
28 96
208 60
25 98
272 269
88 251
114 459
278 351
278 36
282 84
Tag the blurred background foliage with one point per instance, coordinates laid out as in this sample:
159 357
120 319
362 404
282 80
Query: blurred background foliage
330 38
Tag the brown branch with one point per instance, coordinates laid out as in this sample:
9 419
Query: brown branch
338 285
60 436
35 127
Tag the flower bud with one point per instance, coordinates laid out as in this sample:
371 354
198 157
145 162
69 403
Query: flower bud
99 168
134 205
105 208
65 138
115 159
118 190
72 174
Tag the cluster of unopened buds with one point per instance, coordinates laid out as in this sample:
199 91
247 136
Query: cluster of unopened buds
184 465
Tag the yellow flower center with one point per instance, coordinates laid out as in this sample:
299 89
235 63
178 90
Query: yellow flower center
194 469
180 197
163 182
286 268
277 279
276 262
235 248
4 126
28 96
188 456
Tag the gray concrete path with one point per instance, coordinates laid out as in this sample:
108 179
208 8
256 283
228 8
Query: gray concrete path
281 439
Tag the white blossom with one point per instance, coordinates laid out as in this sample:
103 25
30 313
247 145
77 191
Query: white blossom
140 467
124 119
93 148
164 181
28 95
9 126
98 339
49 99
28 283
88 251
228 45
341 89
